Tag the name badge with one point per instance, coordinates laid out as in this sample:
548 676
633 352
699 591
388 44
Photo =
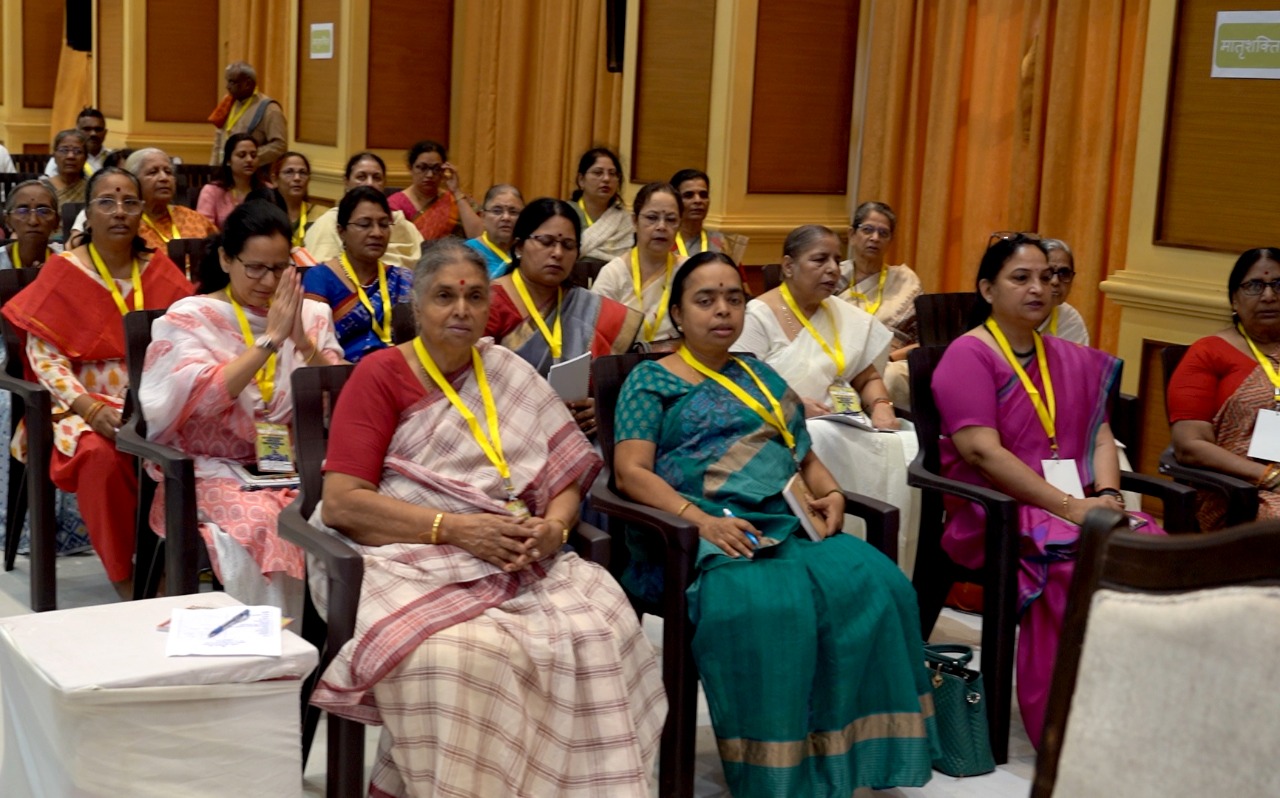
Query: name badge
275 455
844 399
516 506
1063 475
1265 443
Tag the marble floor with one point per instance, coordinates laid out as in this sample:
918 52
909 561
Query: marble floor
81 582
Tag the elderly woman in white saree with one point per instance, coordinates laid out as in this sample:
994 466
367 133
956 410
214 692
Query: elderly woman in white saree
498 662
830 353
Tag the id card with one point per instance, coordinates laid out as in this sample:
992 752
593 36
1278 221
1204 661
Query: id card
844 399
1265 443
516 506
1063 475
275 455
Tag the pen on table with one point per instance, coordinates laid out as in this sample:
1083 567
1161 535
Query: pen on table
235 619
755 541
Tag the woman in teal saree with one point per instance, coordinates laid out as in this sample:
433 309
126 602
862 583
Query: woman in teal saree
809 651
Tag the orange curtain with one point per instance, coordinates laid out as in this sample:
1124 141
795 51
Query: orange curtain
1005 115
258 32
73 91
534 95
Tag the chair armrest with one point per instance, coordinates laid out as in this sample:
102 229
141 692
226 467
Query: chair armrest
344 571
25 389
1200 477
882 521
591 543
172 462
992 500
182 536
1179 500
679 533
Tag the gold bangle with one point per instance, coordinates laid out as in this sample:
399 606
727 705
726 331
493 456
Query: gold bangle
683 507
881 399
1268 474
1066 498
435 529
833 490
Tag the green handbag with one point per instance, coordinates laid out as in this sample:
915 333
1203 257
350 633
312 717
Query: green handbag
960 707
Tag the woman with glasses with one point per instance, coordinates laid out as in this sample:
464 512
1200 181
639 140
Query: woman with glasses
162 221
1064 321
216 386
1227 384
236 178
404 246
535 316
358 285
641 279
607 229
1027 415
293 179
502 204
69 152
436 213
70 320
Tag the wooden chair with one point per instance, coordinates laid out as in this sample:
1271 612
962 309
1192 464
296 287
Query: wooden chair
187 254
30 491
1241 495
935 572
1103 691
189 179
182 543
771 275
404 327
585 271
30 162
69 212
679 673
943 317
10 179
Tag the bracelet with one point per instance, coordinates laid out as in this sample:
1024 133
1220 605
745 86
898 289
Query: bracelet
93 411
881 399
435 529
1112 492
1066 498
1270 477
683 507
833 490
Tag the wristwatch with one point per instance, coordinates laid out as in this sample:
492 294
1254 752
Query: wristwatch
264 342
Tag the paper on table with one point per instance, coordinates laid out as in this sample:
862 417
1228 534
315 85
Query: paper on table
571 377
256 636
858 420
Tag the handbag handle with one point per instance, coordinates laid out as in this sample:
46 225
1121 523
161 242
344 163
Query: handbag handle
939 654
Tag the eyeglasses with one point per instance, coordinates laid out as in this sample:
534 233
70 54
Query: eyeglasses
368 224
105 205
69 151
500 211
1256 287
884 233
256 271
653 219
289 174
43 211
549 241
429 168
1065 274
1012 235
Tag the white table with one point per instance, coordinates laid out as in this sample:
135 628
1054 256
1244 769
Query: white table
92 707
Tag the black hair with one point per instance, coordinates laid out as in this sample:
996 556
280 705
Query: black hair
686 268
867 208
352 199
89 110
1246 262
1000 252
249 219
361 156
268 195
276 167
536 214
118 157
426 145
588 160
139 246
224 178
689 174
647 191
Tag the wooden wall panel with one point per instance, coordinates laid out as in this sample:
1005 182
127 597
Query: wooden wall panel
410 73
182 60
41 49
802 101
110 57
3 63
673 88
317 89
1221 158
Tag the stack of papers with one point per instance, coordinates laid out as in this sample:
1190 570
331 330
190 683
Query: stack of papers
223 632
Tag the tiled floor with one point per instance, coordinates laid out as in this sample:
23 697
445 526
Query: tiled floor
81 583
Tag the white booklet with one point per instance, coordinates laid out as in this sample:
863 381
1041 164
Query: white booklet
251 481
858 420
571 378
236 631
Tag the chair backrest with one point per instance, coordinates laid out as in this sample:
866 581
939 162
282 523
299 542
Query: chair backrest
585 271
69 211
137 337
11 282
403 325
30 162
1170 357
189 179
10 179
924 410
607 375
187 254
315 394
943 317
771 274
1156 659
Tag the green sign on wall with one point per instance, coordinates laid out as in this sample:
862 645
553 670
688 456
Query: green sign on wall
1246 44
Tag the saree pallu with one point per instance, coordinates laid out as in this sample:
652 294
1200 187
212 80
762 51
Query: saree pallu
532 683
190 224
351 319
72 193
809 653
589 323
614 282
611 236
1082 380
496 266
1233 428
897 309
437 220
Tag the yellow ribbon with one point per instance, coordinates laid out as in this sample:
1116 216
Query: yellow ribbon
87 169
837 356
236 114
300 233
648 329
773 417
383 332
494 248
490 444
1048 414
173 231
879 295
553 336
266 376
684 250
1053 321
1265 362
17 256
105 274
585 215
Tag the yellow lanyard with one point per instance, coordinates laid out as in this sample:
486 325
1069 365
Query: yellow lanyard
17 256
684 250
1265 362
872 308
173 225
266 376
490 444
236 114
494 248
105 274
384 331
1053 321
554 337
87 169
651 329
775 419
837 356
585 215
1048 414
299 234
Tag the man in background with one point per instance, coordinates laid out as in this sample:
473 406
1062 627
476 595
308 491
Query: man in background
246 110
93 125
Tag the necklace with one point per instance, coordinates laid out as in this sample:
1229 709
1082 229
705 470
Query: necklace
1023 355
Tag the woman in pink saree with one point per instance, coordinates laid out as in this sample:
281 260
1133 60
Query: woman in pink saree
988 388
435 212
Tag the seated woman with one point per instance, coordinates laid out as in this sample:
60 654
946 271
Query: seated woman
236 178
886 292
1027 415
293 179
828 351
436 214
1064 321
70 318
69 150
217 380
498 662
360 289
161 220
502 204
694 189
531 313
1226 381
785 662
607 229
404 246
642 278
